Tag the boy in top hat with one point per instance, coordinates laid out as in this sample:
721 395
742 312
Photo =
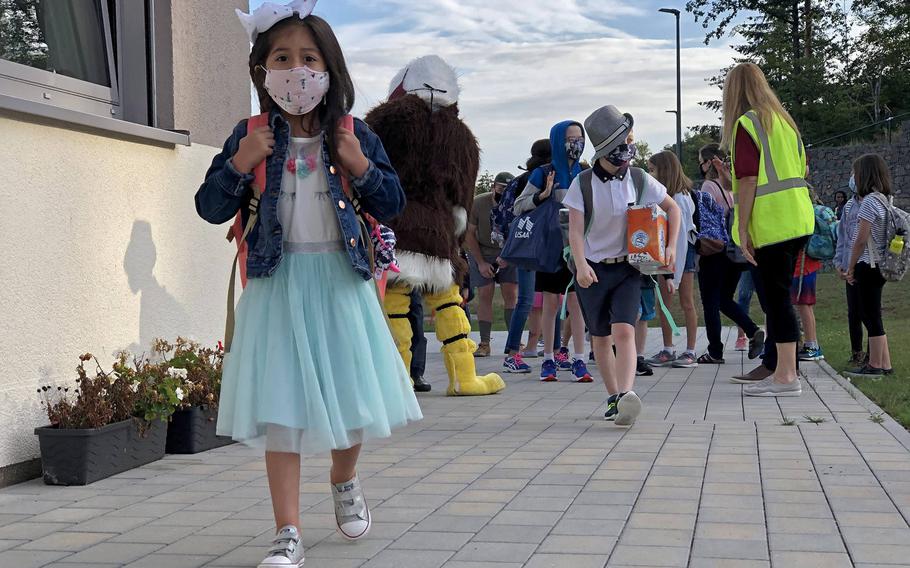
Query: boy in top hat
609 288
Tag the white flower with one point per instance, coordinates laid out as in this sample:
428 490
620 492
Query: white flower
135 386
176 373
179 392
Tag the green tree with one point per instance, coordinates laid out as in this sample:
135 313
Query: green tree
484 183
692 142
642 154
881 82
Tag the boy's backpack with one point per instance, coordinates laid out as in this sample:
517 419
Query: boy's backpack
501 216
823 242
587 196
892 265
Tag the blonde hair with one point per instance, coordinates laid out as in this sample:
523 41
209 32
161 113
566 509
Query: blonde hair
669 172
745 89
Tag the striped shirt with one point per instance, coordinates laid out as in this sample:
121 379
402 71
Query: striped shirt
873 211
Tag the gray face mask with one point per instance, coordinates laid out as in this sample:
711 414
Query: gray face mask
622 155
574 149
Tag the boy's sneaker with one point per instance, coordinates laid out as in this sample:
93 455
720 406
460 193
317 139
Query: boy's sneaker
708 359
757 344
867 371
530 354
663 359
642 369
742 343
811 354
768 387
352 515
627 409
483 349
581 372
548 371
515 364
611 412
591 359
286 550
685 361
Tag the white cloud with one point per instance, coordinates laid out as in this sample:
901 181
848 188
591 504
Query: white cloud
527 64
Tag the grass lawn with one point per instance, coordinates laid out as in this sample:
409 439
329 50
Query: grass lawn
891 393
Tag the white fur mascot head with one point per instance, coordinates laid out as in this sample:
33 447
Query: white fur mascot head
428 77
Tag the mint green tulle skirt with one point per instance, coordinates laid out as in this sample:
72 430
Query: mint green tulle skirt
313 366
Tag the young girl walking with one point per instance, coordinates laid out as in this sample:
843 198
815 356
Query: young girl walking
313 366
667 170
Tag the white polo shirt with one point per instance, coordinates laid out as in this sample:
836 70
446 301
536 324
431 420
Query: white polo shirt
611 197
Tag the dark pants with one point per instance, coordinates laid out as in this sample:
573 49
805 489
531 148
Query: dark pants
419 341
869 285
854 318
717 281
773 278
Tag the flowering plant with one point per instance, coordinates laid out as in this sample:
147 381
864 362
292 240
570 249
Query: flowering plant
179 375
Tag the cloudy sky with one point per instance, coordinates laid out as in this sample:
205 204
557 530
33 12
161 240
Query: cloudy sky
527 64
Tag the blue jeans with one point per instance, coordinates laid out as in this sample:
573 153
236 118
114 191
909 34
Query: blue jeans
746 289
522 309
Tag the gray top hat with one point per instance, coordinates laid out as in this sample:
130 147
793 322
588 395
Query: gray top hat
607 128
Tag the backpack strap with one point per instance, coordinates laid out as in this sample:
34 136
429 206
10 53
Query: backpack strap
585 179
638 180
240 233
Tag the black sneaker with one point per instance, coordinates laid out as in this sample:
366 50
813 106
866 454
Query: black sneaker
708 359
866 371
756 344
420 385
642 369
612 411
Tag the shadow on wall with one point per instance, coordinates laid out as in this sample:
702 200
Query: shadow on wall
160 314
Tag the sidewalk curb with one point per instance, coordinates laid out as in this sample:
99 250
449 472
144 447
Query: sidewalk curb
889 424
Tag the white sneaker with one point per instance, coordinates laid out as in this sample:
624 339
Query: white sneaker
627 409
352 515
286 550
768 387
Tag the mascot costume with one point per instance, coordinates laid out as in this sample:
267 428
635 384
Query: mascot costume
437 158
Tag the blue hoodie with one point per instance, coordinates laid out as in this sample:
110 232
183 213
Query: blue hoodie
559 163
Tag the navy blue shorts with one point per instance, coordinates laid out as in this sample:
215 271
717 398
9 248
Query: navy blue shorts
615 298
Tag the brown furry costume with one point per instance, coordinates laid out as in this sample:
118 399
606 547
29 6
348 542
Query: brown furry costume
437 158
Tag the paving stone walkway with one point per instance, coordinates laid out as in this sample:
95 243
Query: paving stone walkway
532 477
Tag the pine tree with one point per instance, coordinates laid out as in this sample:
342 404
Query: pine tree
21 37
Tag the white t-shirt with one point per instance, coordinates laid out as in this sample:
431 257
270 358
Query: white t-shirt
607 237
305 207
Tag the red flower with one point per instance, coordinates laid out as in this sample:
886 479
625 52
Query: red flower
292 166
220 346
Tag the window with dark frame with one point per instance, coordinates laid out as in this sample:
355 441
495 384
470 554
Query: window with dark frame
91 56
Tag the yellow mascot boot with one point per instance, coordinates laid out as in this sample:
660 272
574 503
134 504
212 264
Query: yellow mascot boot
452 329
397 303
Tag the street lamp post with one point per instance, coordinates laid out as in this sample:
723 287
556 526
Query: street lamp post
675 12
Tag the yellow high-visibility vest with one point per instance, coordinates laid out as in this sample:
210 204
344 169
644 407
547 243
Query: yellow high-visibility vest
783 209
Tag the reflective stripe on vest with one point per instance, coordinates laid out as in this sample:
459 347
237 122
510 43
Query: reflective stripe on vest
774 184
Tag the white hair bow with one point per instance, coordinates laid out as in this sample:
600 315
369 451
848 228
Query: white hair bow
270 13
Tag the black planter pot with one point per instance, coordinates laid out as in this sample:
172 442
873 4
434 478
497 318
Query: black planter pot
193 430
79 457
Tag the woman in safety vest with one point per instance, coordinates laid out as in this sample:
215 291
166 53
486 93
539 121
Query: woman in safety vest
773 214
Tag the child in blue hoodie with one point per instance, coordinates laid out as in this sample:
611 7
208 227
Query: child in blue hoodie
551 181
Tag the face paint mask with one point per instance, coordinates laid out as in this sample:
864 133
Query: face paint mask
297 91
574 149
621 155
852 185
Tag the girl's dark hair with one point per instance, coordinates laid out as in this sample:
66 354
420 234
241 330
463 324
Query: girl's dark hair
541 154
842 193
707 153
340 98
871 174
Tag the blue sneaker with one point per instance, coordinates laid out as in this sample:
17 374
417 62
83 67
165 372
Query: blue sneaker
581 372
811 354
548 371
515 364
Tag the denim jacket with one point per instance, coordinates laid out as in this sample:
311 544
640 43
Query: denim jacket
226 191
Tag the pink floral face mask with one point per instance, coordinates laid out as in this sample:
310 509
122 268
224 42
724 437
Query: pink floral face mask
298 90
